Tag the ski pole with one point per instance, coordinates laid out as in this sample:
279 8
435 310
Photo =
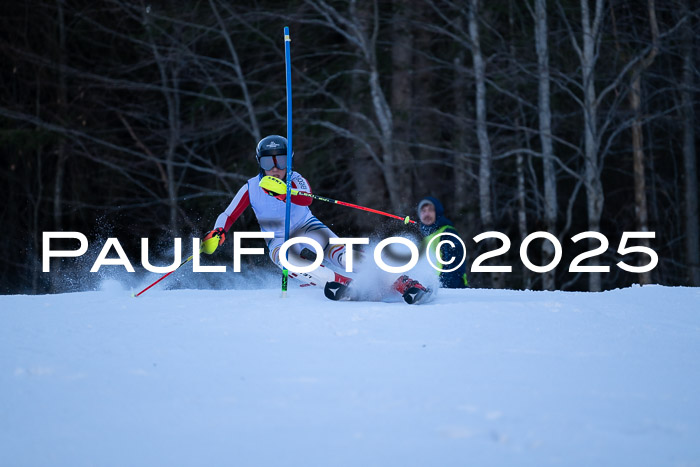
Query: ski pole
206 246
276 186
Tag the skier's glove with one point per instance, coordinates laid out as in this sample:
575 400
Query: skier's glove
210 247
281 196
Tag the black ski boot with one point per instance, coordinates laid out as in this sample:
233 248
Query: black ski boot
413 292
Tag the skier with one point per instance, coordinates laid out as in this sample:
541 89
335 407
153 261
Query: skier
270 211
433 223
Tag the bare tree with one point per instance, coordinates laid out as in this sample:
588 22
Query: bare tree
465 200
635 100
692 226
169 68
102 119
545 122
485 160
236 65
63 105
402 101
361 33
588 55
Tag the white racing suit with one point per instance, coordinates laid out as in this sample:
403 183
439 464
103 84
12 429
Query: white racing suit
270 213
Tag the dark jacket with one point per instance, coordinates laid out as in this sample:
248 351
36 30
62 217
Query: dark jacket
456 279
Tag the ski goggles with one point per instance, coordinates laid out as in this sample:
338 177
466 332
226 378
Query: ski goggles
268 162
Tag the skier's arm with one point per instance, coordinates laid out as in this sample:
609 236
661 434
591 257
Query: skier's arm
300 183
227 218
240 202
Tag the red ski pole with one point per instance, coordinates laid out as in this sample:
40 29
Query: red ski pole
206 247
273 185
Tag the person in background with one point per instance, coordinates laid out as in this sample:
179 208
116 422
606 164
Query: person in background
432 223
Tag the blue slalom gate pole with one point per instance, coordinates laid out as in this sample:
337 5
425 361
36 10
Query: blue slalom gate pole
288 63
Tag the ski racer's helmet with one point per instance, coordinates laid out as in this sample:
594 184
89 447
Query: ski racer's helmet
273 145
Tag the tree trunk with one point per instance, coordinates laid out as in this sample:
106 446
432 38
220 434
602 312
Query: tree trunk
522 140
250 108
367 168
594 187
635 99
366 172
424 122
401 104
522 216
482 133
367 45
173 142
640 197
692 235
464 198
169 84
59 174
545 121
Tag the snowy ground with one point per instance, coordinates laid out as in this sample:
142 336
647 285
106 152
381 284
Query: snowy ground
245 378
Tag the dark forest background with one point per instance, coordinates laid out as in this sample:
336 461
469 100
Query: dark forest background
133 119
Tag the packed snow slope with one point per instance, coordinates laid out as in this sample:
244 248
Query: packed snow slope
246 378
